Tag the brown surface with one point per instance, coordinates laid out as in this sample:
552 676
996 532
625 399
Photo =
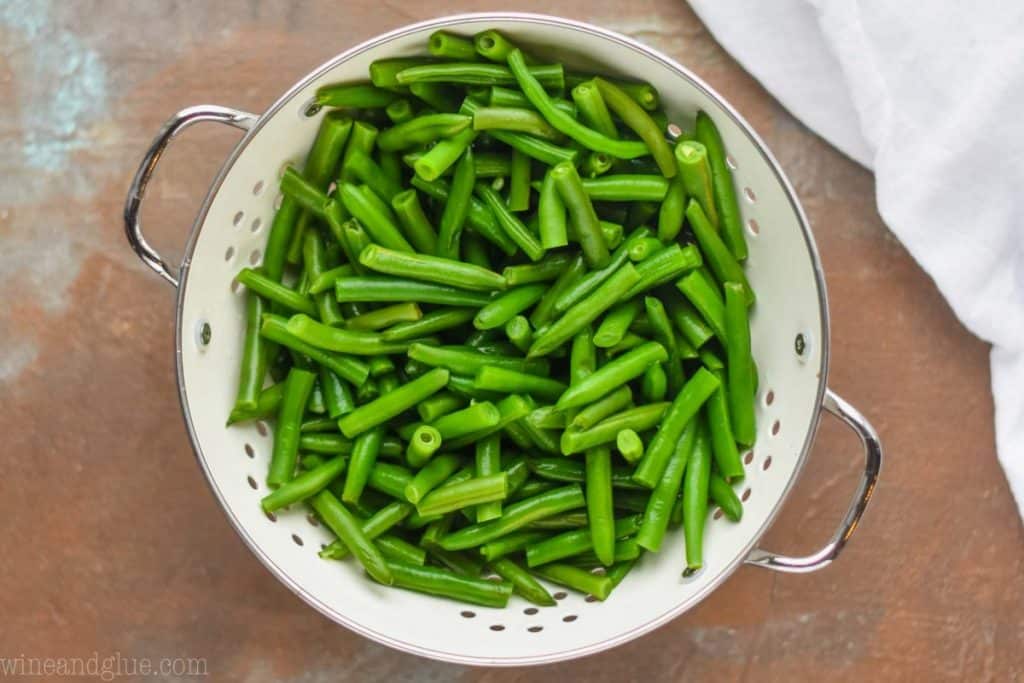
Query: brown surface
114 543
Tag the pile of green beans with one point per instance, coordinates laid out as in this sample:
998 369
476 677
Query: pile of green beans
502 325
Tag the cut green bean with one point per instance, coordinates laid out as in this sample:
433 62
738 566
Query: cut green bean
416 225
612 375
524 584
447 584
444 271
354 96
345 525
254 360
593 110
611 403
577 579
639 419
423 443
724 191
616 323
511 224
451 46
431 323
468 363
695 499
659 505
467 494
382 409
283 296
289 423
739 369
629 445
515 119
439 404
519 183
600 513
722 494
364 456
303 486
456 207
665 266
384 289
640 122
626 188
654 384
582 217
516 517
501 379
488 463
433 474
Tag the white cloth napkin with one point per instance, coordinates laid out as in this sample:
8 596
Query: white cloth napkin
930 95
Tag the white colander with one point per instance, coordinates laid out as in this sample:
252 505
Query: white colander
790 342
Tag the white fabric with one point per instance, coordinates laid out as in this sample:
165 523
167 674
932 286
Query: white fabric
931 96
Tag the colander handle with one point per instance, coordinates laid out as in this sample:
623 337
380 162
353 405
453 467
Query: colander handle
873 464
177 123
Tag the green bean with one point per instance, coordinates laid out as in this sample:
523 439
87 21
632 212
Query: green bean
451 46
724 192
314 258
519 332
591 281
318 424
304 485
468 363
571 543
478 217
278 293
510 409
439 404
565 470
362 139
670 215
689 322
659 505
338 396
625 550
444 271
488 462
474 251
547 417
627 188
587 137
474 73
612 375
640 122
383 71
356 342
382 409
289 421
600 512
492 164
494 46
511 543
610 404
381 521
331 444
472 492
397 549
309 197
503 380
585 312
722 494
531 488
435 321
399 111
523 583
474 418
719 258
695 498
367 171
508 305
578 579
385 317
514 119
254 360
315 404
639 419
456 207
654 384
740 373
364 456
423 444
723 444
545 308
582 217
463 386
374 215
644 249
629 445
379 288
345 525
593 110
695 173
441 97
460 563
596 164
435 581
432 475
418 229
390 479
665 266
616 323
512 226
684 408
517 516
507 97
422 130
282 230
519 183
354 96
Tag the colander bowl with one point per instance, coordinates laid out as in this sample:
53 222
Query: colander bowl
790 337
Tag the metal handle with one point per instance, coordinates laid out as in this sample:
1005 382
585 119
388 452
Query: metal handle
873 464
177 123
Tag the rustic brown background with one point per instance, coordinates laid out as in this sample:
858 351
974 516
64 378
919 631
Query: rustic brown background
114 544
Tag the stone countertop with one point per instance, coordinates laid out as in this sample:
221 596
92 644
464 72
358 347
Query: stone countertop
114 543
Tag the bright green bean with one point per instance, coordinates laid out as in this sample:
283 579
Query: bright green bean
740 372
508 305
613 402
451 46
444 271
615 323
379 288
417 226
665 266
303 486
503 380
593 110
474 73
517 516
456 207
436 581
639 419
345 525
511 224
468 363
695 498
724 191
722 494
354 96
600 512
612 375
659 505
423 443
576 578
640 122
364 456
431 476
382 409
289 422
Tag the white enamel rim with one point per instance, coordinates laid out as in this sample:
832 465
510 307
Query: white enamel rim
822 338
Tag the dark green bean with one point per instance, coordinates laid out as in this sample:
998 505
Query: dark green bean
572 543
275 328
684 408
379 288
640 122
600 513
382 409
444 271
318 424
254 360
517 516
284 296
282 230
314 258
545 308
479 217
375 526
639 419
441 97
688 321
511 543
724 192
567 470
727 456
591 281
367 171
356 342
456 207
338 396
